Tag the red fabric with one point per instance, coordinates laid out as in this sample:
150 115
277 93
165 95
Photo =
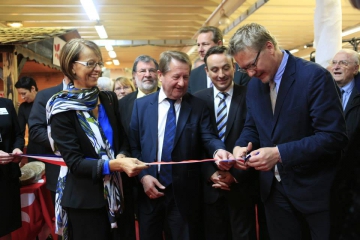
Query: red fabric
37 210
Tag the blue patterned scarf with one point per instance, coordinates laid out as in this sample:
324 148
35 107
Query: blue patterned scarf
83 101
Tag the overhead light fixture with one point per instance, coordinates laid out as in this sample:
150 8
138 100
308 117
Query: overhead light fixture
350 31
224 19
112 54
294 51
15 24
116 62
90 9
109 47
101 31
108 62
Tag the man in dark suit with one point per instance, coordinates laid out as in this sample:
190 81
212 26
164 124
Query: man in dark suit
229 212
172 125
38 131
208 37
344 68
295 131
145 74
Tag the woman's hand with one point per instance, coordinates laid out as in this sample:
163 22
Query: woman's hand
5 158
16 152
131 166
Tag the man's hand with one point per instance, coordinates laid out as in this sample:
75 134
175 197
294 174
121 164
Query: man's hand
131 166
240 153
222 154
264 159
217 179
16 152
149 184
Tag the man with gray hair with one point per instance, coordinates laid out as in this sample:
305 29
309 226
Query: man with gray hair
208 37
343 67
171 125
294 132
145 74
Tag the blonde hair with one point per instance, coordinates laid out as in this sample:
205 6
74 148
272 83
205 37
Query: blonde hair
125 82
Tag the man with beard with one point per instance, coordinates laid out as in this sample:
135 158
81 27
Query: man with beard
146 78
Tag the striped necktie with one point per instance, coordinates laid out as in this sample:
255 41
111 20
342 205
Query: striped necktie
165 175
221 115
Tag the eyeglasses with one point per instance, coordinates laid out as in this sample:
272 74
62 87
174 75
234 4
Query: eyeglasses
342 63
143 71
122 88
91 64
251 66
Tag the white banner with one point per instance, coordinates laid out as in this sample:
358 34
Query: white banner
58 44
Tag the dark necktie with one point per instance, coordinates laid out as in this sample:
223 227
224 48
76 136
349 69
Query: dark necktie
165 176
342 98
221 115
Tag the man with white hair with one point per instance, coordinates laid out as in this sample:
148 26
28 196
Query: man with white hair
105 84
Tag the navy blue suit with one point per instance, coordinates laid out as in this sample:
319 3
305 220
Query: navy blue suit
198 79
193 131
308 128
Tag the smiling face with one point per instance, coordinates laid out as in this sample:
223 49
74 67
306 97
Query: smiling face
86 77
220 69
175 81
341 73
146 77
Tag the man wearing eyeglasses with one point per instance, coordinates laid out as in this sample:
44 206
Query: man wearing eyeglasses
209 37
146 78
343 67
294 132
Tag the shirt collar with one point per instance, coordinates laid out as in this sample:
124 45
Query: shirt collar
349 86
162 96
281 69
230 91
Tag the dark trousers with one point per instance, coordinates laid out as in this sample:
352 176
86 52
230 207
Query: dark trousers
165 217
223 221
286 222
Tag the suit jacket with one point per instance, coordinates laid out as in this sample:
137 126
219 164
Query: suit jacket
192 131
126 105
308 128
84 188
234 126
38 132
198 79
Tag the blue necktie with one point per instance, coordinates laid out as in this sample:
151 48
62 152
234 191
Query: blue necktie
221 116
165 176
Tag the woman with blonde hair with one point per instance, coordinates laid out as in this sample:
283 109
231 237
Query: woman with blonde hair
123 86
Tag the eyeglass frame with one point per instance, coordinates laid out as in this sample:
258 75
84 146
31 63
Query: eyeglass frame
151 71
251 66
86 64
341 63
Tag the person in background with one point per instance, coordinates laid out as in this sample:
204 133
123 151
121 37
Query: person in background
208 37
198 62
105 84
84 126
11 142
228 209
27 89
122 87
294 132
346 188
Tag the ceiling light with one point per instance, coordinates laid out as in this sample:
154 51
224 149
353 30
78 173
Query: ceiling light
116 62
108 62
90 9
224 19
294 51
350 31
112 54
101 31
109 47
14 24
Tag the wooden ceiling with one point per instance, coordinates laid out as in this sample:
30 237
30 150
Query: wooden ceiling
154 26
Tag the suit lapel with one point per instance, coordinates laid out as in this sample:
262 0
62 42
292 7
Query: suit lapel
286 82
183 117
210 104
354 93
233 109
152 117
